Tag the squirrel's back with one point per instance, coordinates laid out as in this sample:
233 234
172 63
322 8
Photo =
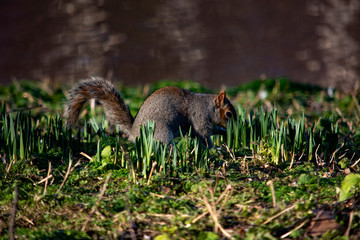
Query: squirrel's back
167 107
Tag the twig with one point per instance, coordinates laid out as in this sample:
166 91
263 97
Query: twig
213 214
66 176
48 176
223 169
223 194
271 184
151 172
208 188
76 164
93 210
298 227
211 192
317 158
292 160
333 155
44 180
85 155
230 189
13 214
197 218
160 196
8 169
347 232
230 152
357 161
28 220
279 214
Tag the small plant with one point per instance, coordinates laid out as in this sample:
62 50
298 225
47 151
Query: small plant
184 155
283 138
350 186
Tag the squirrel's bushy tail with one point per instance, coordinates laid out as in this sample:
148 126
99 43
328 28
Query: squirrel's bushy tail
117 112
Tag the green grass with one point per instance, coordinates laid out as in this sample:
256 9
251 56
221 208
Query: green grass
298 141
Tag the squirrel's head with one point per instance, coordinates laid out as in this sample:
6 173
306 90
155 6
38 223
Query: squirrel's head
225 109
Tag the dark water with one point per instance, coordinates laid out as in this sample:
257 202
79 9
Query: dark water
214 42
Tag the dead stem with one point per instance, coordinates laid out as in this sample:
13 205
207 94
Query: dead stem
231 153
349 226
85 155
160 196
151 172
229 189
317 158
8 169
44 179
333 154
28 220
292 160
279 214
357 161
47 178
213 214
298 227
66 176
211 192
271 184
223 194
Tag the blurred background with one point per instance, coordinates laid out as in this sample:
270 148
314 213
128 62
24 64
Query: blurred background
216 43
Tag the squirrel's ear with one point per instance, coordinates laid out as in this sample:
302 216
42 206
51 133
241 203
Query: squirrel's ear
220 99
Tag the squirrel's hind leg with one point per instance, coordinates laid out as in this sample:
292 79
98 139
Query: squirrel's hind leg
163 134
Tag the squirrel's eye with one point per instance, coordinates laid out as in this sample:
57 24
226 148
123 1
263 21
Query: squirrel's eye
228 114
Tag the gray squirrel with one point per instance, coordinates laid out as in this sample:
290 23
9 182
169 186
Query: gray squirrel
169 107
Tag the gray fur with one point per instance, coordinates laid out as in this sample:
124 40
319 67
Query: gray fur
169 107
